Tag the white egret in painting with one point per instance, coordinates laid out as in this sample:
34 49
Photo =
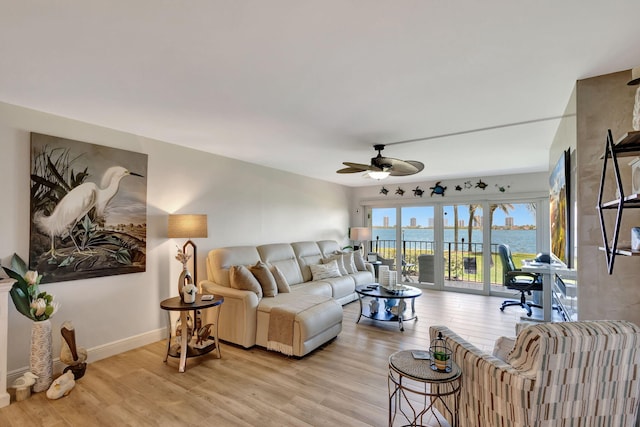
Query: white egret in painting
78 202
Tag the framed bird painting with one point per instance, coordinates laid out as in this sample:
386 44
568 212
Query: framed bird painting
88 209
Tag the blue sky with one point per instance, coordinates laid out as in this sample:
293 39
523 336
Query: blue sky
521 215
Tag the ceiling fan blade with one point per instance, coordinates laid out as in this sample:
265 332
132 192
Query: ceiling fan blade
406 167
361 166
349 170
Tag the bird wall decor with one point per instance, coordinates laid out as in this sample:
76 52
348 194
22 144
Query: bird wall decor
77 203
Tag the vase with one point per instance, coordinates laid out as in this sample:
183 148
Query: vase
41 358
189 293
185 277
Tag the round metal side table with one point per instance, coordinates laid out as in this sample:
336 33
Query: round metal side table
413 380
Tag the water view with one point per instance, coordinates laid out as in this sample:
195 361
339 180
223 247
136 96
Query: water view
519 240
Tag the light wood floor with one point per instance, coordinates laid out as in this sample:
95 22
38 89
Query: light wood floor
342 383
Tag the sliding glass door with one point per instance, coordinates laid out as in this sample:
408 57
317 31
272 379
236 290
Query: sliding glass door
455 246
404 236
463 246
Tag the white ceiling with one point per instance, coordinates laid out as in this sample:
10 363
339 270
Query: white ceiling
302 85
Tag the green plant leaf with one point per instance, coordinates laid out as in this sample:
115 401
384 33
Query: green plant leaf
21 301
18 265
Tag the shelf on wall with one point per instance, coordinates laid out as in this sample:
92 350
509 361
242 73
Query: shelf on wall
627 145
623 251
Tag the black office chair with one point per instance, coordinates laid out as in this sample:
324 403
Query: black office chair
518 280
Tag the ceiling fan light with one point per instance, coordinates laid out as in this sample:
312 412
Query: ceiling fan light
379 174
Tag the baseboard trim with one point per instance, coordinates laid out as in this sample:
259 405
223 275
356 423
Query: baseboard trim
101 352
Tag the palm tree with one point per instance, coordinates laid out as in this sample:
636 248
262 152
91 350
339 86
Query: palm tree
472 213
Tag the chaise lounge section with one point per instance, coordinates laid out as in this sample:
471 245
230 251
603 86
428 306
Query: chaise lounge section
304 314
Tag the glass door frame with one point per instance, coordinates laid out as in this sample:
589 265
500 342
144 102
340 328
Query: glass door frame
542 233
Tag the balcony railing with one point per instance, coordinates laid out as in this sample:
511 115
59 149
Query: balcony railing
462 261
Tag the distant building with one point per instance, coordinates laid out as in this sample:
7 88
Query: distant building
385 221
430 222
413 222
508 222
477 221
445 222
461 223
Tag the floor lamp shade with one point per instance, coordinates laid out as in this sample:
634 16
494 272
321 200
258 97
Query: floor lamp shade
360 234
189 226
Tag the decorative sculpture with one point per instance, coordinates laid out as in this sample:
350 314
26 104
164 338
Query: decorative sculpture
438 189
71 354
61 386
23 385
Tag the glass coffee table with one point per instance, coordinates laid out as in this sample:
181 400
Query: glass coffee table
393 305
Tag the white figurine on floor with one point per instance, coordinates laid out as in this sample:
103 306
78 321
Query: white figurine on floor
61 386
26 380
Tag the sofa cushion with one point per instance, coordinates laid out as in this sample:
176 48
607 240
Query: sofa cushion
359 261
338 259
265 278
241 278
349 264
362 277
281 281
325 271
328 247
220 260
307 253
341 287
282 255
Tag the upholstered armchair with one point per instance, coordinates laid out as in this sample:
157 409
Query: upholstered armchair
557 374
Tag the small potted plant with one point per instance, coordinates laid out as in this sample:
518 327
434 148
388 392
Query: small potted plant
440 354
440 358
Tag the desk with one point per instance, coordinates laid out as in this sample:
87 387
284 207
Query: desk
209 342
415 376
548 272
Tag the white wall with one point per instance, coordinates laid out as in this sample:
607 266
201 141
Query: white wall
245 204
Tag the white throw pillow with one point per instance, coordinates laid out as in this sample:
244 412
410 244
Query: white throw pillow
325 271
338 259
349 264
359 261
502 347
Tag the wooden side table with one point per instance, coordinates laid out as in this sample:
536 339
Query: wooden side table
408 376
194 344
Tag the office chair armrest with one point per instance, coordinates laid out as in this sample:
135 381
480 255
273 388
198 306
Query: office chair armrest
521 278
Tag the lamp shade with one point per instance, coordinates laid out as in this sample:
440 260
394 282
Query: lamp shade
188 226
360 233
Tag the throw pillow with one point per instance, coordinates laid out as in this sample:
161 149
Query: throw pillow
265 278
281 281
359 261
349 264
325 271
338 259
502 348
241 278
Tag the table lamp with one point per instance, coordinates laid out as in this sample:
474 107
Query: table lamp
189 226
360 234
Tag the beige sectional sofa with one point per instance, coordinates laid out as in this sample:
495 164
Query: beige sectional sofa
315 306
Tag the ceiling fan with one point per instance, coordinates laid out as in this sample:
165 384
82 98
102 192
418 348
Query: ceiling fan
382 167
